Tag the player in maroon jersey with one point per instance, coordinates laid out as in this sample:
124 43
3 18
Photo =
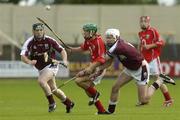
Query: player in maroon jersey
150 46
35 51
134 67
95 45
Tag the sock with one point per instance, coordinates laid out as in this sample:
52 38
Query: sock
50 99
99 106
167 96
67 102
92 91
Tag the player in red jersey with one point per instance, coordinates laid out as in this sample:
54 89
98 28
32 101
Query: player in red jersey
35 51
95 45
134 67
150 46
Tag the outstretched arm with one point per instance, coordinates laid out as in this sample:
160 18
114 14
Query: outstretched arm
75 49
94 65
108 62
64 57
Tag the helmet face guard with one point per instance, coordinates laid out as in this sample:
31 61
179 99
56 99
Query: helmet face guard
38 31
111 36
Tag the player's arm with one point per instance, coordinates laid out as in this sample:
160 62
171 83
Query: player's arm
26 60
150 46
94 65
91 68
100 59
24 55
61 50
97 62
81 48
64 57
108 63
158 42
75 49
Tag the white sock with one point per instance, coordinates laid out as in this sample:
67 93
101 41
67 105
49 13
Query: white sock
112 103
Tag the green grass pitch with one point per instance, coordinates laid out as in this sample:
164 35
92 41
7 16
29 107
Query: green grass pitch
24 100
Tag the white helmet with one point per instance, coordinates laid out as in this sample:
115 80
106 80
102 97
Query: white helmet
114 32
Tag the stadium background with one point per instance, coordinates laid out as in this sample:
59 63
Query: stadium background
67 20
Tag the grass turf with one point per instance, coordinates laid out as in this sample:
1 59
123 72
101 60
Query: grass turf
24 100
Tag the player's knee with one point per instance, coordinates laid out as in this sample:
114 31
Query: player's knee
144 100
59 93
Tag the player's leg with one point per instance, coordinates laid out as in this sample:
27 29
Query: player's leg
88 86
61 95
95 99
44 76
91 99
142 93
145 93
155 70
168 100
120 82
96 80
142 78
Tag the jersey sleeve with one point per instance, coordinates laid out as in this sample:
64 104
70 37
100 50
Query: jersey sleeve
100 51
84 46
110 52
24 49
157 39
56 45
100 58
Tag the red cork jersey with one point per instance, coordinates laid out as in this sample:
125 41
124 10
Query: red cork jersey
97 49
150 36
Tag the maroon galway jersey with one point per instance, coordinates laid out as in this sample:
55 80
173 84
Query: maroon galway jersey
127 54
35 49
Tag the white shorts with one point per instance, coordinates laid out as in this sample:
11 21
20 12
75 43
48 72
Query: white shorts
98 79
52 68
155 67
142 78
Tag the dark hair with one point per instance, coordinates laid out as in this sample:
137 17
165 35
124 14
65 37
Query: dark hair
37 25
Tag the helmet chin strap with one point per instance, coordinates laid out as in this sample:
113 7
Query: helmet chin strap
91 33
